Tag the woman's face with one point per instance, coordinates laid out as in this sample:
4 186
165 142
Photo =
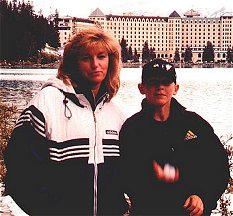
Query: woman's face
93 64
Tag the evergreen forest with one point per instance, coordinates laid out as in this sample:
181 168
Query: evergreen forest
23 33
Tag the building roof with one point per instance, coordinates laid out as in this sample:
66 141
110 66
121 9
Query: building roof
174 14
108 17
97 13
84 20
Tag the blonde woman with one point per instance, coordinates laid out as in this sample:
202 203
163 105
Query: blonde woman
64 151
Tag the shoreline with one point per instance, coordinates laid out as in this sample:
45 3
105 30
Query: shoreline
124 65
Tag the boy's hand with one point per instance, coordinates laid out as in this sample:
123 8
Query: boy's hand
168 174
194 205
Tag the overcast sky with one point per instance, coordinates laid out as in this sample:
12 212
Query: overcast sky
83 8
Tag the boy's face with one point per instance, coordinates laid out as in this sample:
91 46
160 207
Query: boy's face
158 90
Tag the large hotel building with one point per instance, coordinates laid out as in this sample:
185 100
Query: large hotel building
164 34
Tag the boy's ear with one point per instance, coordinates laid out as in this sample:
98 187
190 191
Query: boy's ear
141 88
176 89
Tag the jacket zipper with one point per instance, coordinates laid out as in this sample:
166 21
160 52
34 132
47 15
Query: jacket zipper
95 173
95 163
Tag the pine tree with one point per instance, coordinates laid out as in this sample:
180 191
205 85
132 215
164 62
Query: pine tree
188 54
130 54
177 56
208 53
229 57
135 56
145 52
124 50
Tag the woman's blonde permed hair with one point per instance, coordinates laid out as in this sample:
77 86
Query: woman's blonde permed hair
91 38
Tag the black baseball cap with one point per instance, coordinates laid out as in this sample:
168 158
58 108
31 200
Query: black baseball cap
158 68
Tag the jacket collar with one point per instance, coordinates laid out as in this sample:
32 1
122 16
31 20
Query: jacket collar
94 101
148 109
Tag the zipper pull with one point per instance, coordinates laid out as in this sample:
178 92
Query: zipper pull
94 117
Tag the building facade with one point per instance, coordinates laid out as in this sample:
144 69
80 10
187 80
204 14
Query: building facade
68 26
163 34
